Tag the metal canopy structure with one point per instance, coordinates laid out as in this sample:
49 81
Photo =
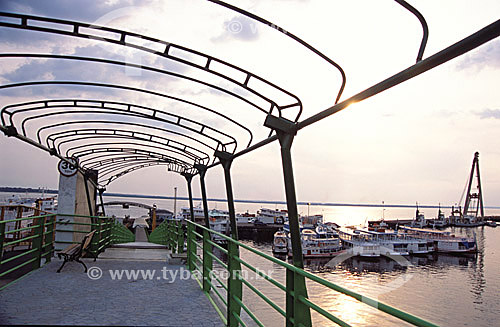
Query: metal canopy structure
116 129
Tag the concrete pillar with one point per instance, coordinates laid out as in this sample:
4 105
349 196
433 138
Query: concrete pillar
72 200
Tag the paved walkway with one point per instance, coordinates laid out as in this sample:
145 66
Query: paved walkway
73 298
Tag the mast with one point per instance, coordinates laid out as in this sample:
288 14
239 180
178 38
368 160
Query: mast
478 196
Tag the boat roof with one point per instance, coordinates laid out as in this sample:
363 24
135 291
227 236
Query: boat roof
374 232
423 230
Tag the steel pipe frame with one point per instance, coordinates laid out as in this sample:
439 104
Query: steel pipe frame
175 149
76 26
77 151
105 105
127 114
128 124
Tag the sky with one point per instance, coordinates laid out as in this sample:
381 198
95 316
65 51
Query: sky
413 142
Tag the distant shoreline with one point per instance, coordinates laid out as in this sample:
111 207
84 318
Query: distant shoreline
13 189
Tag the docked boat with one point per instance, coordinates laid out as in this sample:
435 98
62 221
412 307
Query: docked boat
199 216
469 221
441 221
269 216
244 217
219 222
393 243
491 223
444 242
419 221
311 221
280 242
314 246
359 244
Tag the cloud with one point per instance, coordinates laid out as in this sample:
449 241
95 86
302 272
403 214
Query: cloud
81 10
489 113
486 56
240 28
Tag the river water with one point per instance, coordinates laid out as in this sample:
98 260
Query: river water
445 289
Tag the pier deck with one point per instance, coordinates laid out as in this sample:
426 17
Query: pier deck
72 298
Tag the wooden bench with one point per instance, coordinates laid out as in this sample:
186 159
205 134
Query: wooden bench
75 251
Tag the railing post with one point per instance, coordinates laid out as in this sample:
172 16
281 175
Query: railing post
207 261
235 286
38 241
49 238
2 238
180 238
190 246
97 238
295 283
207 247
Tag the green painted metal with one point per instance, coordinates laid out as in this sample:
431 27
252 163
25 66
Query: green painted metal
42 239
207 260
235 287
191 248
291 271
180 238
38 241
2 238
118 233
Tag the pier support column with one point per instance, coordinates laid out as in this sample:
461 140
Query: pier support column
202 170
235 286
189 178
286 131
226 159
73 200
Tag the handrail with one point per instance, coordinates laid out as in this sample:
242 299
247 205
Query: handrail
234 255
37 242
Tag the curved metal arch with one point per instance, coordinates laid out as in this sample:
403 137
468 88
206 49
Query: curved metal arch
122 87
105 144
123 35
118 123
292 36
223 145
148 68
79 151
112 169
107 105
54 138
103 163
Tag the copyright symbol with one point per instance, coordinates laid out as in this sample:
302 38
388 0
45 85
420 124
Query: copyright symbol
94 273
234 27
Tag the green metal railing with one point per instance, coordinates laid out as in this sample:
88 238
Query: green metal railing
120 233
34 244
169 233
229 306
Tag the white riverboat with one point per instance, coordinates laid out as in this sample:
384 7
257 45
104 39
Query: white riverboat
359 244
444 242
393 243
270 216
280 242
219 222
199 216
314 246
